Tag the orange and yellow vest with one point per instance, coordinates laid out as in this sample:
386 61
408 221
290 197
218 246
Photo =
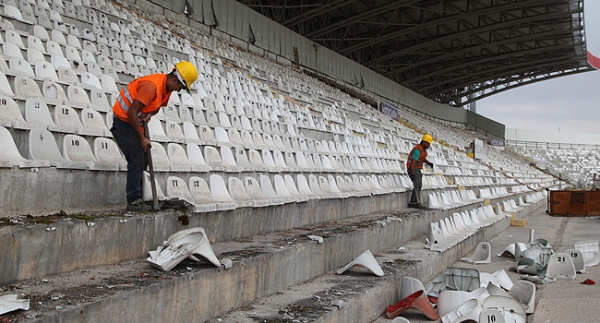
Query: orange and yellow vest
129 93
419 162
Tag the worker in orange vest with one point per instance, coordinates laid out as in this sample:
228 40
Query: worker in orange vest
414 164
136 104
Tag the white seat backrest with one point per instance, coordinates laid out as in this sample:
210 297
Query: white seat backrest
66 116
76 148
20 65
42 146
36 111
91 79
26 87
107 151
92 119
77 95
58 37
199 190
45 70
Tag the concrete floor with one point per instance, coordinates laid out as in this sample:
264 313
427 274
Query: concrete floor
558 302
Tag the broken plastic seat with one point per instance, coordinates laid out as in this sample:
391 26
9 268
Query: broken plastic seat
498 278
488 315
524 292
418 300
366 260
449 300
10 302
469 310
181 245
511 309
495 290
480 294
530 267
591 252
482 254
578 261
462 279
561 266
410 286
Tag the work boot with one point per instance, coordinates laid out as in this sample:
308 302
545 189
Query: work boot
138 205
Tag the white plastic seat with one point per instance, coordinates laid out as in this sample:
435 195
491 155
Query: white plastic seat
45 70
77 149
37 112
43 146
90 80
254 190
220 193
107 152
93 124
491 314
11 50
200 192
561 266
67 117
11 114
213 158
239 194
177 190
10 156
590 251
173 132
481 255
178 158
78 97
160 159
11 36
270 193
21 66
156 131
524 292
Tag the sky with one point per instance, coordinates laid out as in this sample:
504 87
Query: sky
563 104
566 104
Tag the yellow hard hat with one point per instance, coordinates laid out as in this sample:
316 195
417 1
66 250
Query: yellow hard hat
186 73
427 137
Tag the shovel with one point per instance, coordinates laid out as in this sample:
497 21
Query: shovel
155 205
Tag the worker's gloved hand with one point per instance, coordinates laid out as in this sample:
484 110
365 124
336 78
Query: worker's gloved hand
430 165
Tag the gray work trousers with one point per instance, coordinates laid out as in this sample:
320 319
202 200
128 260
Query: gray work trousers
415 198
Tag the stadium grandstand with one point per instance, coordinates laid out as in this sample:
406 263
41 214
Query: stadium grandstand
289 152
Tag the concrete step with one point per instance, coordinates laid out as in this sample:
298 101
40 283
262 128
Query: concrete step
69 242
262 265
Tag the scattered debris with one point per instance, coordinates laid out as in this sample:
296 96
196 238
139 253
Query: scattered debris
339 303
319 239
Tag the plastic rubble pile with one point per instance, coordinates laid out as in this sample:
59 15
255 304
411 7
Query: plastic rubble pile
468 295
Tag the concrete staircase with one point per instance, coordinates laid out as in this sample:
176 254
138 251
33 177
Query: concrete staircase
76 272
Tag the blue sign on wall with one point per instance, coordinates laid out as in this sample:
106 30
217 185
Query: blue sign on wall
389 110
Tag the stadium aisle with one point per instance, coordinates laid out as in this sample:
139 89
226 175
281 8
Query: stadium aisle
557 302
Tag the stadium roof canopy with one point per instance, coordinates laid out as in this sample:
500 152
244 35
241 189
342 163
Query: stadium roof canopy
451 51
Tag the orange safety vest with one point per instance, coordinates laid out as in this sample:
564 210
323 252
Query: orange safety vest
419 162
129 93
